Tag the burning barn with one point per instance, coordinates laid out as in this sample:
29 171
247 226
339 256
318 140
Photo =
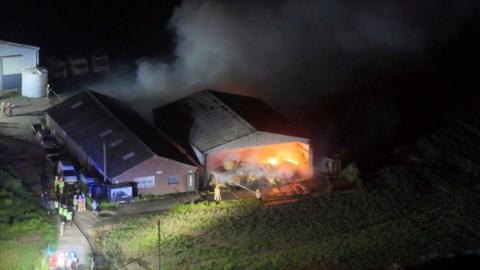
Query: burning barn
236 138
97 130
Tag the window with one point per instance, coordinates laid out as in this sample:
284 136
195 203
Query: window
145 182
173 179
115 143
129 155
76 105
105 133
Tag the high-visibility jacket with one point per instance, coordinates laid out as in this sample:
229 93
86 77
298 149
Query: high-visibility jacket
61 210
56 182
61 184
68 215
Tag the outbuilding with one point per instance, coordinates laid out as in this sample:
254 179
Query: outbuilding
105 134
236 136
14 57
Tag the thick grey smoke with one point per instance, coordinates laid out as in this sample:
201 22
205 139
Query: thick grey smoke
292 50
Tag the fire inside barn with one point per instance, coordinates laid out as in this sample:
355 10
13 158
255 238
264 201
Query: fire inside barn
237 139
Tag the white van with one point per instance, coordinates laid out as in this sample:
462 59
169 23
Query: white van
77 65
66 170
99 62
57 68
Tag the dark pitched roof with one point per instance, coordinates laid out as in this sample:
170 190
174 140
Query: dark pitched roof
88 118
150 136
210 118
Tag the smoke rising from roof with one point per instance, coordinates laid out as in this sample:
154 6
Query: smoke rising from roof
292 50
358 57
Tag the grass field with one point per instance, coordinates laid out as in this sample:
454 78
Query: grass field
425 205
25 229
354 231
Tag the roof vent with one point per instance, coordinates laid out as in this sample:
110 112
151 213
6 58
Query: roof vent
76 105
106 132
129 155
115 143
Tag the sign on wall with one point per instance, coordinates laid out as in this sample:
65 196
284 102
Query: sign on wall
145 182
121 194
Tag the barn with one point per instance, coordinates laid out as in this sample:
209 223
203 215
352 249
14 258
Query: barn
14 57
93 126
236 136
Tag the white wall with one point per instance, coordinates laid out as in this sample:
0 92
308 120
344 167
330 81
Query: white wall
15 58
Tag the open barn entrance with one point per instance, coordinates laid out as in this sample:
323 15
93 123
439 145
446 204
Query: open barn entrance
261 166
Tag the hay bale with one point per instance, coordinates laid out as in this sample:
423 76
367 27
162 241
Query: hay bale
228 165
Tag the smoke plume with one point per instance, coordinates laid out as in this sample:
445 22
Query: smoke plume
289 51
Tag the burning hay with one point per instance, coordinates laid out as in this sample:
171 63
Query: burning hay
253 175
262 166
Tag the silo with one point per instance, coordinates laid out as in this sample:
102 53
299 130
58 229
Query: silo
34 81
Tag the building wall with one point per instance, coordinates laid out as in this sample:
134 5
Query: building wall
12 60
159 169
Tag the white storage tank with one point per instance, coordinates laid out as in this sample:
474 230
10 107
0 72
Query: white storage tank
34 80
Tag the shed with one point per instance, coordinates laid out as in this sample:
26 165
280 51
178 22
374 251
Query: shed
14 57
89 122
217 127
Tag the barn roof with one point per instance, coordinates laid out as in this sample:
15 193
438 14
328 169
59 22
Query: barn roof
88 118
210 118
19 45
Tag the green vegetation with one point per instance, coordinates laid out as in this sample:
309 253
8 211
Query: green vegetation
425 203
25 229
354 231
107 205
352 174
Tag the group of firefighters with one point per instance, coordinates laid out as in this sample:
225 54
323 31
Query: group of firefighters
6 109
63 201
217 194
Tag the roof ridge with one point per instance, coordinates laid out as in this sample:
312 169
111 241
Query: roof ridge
90 92
19 44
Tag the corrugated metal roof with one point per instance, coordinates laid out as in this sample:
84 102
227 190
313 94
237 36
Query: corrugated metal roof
209 118
88 118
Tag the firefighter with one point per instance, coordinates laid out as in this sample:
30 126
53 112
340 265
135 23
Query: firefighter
2 109
61 185
62 227
9 109
56 205
56 184
217 194
94 206
258 194
81 203
75 202
60 211
48 89
69 217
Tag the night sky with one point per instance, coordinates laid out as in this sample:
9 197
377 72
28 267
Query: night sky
125 28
